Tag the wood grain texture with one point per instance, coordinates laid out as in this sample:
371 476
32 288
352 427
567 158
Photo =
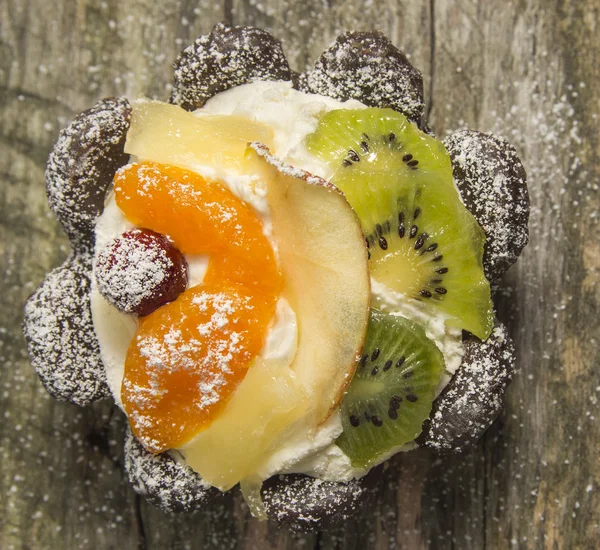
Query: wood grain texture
526 69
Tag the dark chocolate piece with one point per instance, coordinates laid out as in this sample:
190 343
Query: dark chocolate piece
304 504
227 57
60 335
82 165
493 185
366 66
167 482
474 397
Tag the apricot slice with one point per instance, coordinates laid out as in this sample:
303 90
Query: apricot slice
187 358
201 217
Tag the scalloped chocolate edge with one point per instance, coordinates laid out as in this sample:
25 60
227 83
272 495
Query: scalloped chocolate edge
82 165
167 483
492 183
474 397
223 59
367 67
60 336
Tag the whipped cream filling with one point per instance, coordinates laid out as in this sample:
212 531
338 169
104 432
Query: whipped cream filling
292 115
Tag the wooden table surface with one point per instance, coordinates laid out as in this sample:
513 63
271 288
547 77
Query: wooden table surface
526 69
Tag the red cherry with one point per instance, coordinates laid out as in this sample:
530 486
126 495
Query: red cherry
140 271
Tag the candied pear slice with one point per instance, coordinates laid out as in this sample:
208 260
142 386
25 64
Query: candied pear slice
170 135
324 261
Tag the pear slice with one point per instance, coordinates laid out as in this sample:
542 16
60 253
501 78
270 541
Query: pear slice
324 261
170 135
323 257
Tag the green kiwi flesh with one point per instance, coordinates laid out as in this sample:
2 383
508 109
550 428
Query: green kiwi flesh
392 391
423 243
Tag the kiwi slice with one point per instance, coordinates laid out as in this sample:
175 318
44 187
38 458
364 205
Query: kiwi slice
392 391
423 243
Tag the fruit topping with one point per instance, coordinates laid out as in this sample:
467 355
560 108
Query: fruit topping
227 57
423 243
201 216
392 391
187 358
167 134
323 259
493 185
140 271
82 165
324 263
368 67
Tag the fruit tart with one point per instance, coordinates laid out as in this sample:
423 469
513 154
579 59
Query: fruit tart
282 279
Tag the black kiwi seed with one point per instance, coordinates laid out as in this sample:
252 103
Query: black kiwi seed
393 414
421 241
412 398
425 293
364 146
354 421
407 157
353 155
417 210
431 247
375 354
375 371
346 163
383 243
412 163
400 361
413 231
391 137
395 402
378 230
364 360
442 270
377 421
438 259
408 374
387 365
441 290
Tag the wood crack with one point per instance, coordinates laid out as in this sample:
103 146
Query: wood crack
431 59
141 529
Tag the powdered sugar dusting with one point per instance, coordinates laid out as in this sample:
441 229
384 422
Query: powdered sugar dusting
130 271
206 353
306 504
60 336
165 481
366 66
227 57
82 165
493 185
474 397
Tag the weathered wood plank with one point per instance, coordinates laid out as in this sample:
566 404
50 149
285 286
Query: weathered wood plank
525 69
